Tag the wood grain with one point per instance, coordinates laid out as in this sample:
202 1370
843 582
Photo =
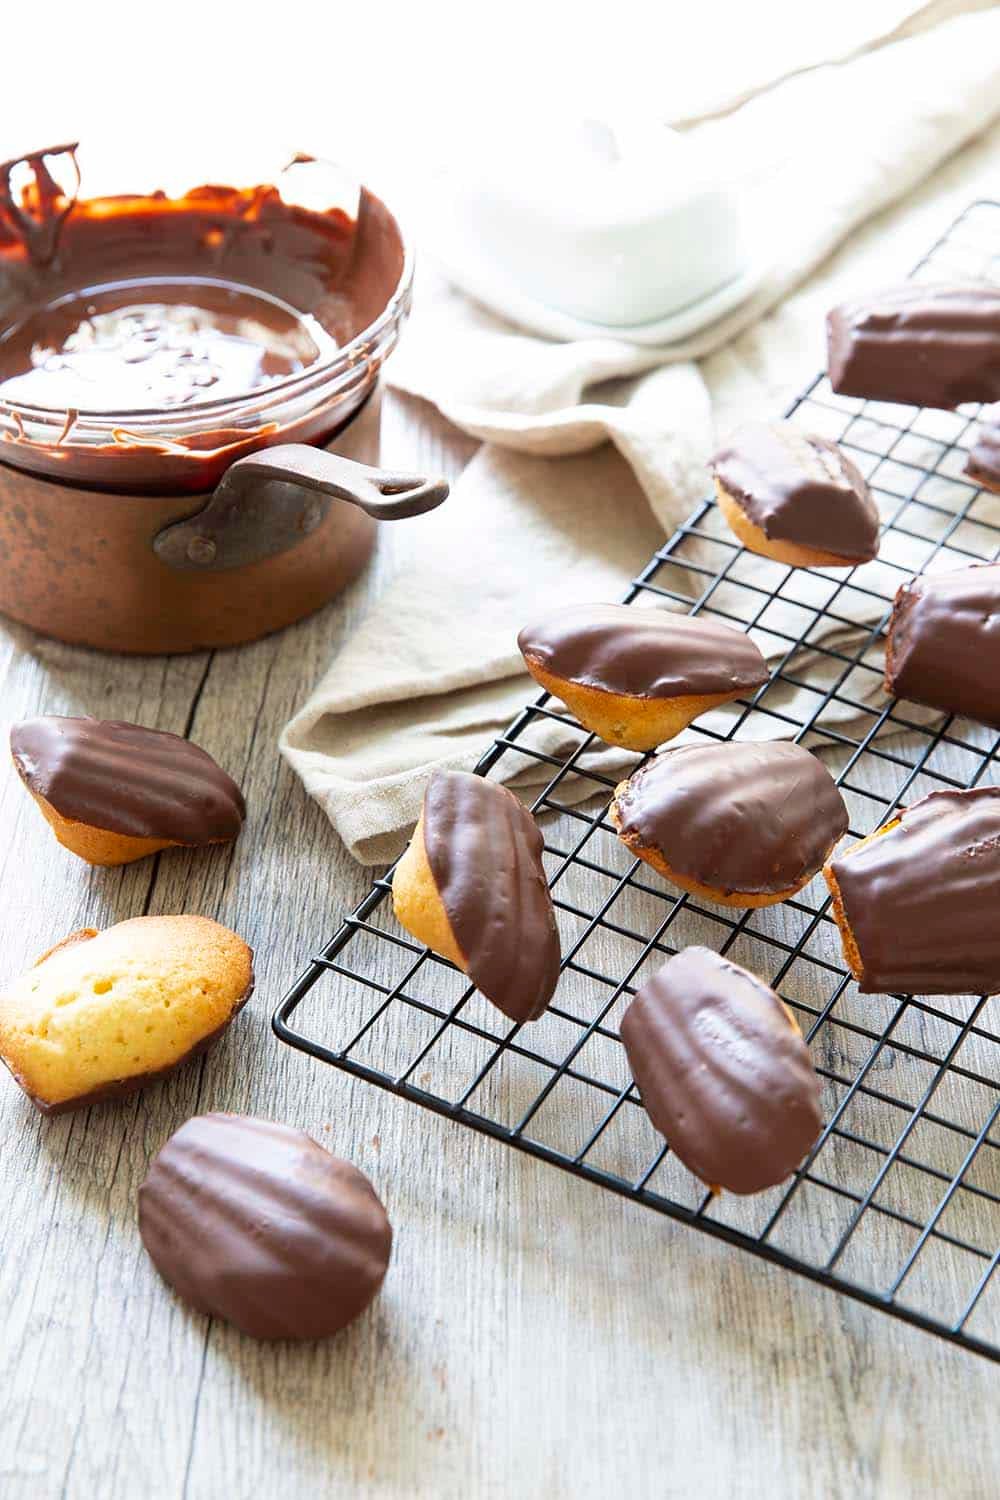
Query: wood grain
535 1337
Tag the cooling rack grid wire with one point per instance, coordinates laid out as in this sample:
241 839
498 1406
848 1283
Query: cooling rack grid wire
898 1205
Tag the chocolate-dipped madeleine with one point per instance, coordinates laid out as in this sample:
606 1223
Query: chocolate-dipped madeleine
471 885
723 1072
740 824
104 1013
918 901
936 345
795 497
943 646
637 677
255 1223
983 463
115 792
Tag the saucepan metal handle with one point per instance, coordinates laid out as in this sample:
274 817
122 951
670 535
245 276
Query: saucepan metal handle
384 495
267 502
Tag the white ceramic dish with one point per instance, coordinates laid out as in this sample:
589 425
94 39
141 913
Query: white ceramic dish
594 230
491 284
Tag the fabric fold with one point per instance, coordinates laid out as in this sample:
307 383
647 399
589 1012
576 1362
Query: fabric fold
595 449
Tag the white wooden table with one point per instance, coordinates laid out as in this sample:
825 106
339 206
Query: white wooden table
535 1337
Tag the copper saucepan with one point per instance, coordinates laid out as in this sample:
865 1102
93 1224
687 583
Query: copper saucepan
213 513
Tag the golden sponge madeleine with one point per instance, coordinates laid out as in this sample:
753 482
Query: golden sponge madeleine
114 792
795 497
471 885
103 1013
739 823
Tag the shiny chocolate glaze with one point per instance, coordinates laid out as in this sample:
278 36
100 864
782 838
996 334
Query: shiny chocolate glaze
743 818
255 1223
921 899
983 463
944 642
144 783
799 488
485 853
645 653
722 1072
936 345
145 302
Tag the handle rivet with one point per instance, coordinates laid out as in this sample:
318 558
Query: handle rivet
311 516
201 550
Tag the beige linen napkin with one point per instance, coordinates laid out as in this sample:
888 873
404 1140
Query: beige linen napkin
594 449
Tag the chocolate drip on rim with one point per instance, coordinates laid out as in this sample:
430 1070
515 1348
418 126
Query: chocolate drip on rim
36 220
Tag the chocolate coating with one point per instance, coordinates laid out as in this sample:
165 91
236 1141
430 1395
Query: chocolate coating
921 345
646 653
485 853
944 642
255 1223
722 1072
799 488
751 818
983 463
144 783
921 899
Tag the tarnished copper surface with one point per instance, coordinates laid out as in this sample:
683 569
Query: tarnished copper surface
147 342
79 564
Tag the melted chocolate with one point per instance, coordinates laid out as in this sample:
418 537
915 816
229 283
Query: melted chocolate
257 1224
920 345
144 302
944 642
34 219
165 343
646 653
754 819
722 1072
799 488
485 854
983 463
144 783
921 899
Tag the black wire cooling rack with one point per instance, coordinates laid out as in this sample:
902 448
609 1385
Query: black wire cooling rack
898 1205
